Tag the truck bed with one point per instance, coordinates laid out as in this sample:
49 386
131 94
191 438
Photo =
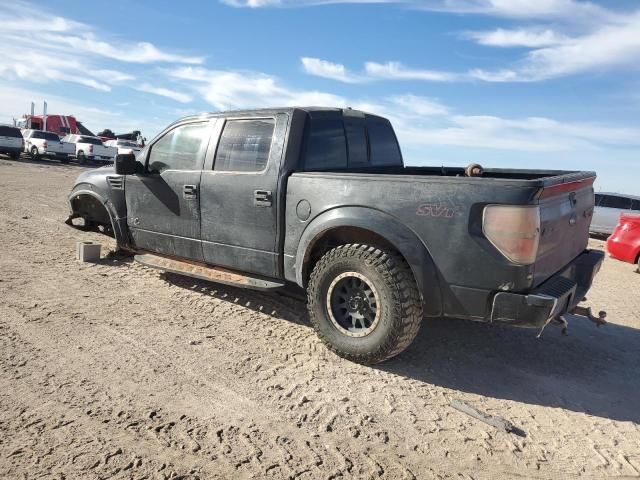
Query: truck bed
444 209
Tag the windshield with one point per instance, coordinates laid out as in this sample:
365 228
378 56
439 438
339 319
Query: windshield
127 143
46 136
91 140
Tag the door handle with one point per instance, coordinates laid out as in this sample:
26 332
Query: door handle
262 198
190 191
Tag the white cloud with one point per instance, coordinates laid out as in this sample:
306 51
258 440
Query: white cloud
333 71
165 92
609 46
570 11
531 134
231 90
419 105
522 37
44 47
397 71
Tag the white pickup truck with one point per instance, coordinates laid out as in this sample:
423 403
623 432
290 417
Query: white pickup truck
11 142
125 147
41 144
91 149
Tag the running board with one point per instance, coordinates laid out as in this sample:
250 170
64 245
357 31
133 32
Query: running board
206 272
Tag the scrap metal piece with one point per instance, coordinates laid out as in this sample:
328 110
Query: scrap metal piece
586 312
565 325
497 422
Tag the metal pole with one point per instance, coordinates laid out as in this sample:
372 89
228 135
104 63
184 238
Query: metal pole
44 117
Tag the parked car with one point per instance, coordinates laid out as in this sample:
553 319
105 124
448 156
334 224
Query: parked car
124 146
321 197
47 145
91 149
608 207
624 243
11 141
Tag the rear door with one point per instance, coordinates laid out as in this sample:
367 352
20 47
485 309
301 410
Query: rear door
163 202
239 201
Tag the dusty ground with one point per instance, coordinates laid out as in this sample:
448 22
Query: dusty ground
112 370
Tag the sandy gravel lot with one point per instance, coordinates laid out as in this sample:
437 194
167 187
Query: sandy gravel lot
112 370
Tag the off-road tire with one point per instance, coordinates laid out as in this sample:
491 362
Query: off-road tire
400 303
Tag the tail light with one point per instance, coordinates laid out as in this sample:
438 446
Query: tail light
45 145
514 231
90 148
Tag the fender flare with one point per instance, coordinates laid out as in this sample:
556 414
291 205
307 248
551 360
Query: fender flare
391 229
119 225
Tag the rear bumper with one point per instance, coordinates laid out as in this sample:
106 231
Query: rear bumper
559 294
50 154
8 150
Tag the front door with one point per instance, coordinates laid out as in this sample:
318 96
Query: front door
163 202
239 200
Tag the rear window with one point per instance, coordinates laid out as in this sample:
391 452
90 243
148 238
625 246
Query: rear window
326 146
635 205
91 140
244 145
612 201
10 132
334 141
384 144
45 136
357 141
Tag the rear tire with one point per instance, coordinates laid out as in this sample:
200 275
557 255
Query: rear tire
64 160
14 156
364 303
35 155
82 159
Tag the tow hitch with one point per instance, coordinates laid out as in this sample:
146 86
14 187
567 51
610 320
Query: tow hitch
585 312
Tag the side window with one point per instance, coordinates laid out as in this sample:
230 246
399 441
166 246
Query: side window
612 201
244 145
179 149
598 199
384 145
326 146
356 141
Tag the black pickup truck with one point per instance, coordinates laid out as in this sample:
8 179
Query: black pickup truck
320 197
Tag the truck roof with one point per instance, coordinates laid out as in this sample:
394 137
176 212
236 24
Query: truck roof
274 110
625 195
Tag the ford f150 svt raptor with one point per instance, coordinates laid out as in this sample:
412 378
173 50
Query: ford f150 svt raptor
321 197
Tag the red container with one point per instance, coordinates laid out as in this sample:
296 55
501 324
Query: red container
624 243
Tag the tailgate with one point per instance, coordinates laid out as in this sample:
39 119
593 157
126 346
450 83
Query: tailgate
102 151
565 215
11 142
57 147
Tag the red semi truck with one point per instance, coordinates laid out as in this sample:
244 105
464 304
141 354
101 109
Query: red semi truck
60 124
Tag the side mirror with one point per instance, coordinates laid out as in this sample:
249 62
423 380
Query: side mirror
127 164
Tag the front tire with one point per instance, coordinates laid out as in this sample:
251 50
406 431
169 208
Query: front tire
364 303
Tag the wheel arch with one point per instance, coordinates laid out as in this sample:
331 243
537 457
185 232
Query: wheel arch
82 199
369 226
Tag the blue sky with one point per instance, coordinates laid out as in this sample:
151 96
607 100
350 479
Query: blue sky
506 83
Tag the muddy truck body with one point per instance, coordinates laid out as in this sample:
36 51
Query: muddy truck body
320 197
